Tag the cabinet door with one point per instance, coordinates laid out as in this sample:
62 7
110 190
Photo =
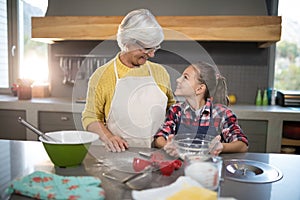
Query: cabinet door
11 129
57 121
256 131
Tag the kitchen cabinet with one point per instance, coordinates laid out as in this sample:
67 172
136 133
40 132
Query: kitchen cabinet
57 121
256 131
10 127
290 142
262 124
291 137
265 30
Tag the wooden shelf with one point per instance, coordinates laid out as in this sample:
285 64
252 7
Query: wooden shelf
265 30
290 142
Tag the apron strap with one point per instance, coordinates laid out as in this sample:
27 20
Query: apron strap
115 68
209 130
211 121
116 71
149 69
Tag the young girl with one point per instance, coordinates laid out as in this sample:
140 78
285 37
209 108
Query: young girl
204 111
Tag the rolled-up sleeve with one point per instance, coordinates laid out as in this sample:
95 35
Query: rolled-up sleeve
171 122
231 130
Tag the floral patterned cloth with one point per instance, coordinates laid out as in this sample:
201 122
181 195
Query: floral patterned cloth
42 185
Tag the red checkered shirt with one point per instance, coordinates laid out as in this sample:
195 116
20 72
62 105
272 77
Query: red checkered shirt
224 120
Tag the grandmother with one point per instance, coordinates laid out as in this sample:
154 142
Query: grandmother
127 97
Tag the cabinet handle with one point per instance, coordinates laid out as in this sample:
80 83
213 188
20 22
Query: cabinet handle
64 118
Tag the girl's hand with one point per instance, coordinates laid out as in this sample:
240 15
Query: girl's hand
216 147
170 147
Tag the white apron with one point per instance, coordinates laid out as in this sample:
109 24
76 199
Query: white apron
137 109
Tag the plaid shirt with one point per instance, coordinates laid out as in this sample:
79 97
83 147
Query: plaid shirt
224 119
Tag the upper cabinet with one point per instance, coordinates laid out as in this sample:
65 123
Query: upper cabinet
265 30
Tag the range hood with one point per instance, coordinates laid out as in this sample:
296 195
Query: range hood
265 30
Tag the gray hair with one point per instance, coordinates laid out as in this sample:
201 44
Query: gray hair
139 25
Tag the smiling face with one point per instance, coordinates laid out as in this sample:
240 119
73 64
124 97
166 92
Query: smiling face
188 84
136 56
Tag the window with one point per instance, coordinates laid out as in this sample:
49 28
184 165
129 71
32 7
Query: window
33 54
4 73
21 57
287 62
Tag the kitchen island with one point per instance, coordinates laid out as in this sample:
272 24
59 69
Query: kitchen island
263 124
20 158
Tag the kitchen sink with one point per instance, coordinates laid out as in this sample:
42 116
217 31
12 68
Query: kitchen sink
251 171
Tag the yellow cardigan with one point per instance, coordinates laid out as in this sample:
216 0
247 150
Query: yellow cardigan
102 84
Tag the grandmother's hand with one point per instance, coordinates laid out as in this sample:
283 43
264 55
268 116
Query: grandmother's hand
115 143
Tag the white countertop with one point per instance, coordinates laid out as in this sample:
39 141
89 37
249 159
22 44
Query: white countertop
67 105
275 115
41 104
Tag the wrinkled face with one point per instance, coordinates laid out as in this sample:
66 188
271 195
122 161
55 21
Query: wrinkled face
187 83
138 55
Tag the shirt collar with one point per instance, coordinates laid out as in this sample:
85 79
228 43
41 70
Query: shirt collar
205 109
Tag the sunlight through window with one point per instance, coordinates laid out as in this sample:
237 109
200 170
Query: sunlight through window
33 55
287 63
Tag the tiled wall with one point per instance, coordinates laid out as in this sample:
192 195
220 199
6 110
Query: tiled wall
244 65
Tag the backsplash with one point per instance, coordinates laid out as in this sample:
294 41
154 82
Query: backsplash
242 64
245 66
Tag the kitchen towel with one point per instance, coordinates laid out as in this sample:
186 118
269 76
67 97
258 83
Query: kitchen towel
42 185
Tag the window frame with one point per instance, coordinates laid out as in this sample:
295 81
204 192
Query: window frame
272 49
275 11
13 43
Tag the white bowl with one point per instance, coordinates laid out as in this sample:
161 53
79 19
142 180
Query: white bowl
71 137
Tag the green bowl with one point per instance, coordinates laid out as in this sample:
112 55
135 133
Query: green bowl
72 148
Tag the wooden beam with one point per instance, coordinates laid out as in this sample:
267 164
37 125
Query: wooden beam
262 29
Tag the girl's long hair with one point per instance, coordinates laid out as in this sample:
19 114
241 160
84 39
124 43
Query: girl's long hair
215 82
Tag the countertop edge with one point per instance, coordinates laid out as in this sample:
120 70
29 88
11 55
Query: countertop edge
66 104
